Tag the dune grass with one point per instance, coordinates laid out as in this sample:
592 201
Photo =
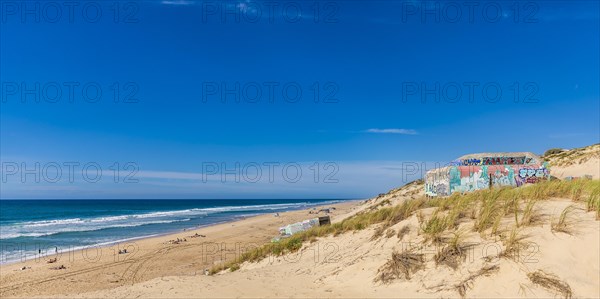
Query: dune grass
400 266
403 231
454 253
564 223
513 244
531 214
487 207
386 217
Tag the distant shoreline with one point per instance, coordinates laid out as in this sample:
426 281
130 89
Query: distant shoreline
104 245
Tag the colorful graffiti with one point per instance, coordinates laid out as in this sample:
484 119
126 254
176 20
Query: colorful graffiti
520 160
466 178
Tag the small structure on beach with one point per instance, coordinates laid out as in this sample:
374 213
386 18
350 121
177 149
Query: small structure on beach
485 170
290 229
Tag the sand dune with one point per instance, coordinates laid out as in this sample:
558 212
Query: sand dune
576 162
346 266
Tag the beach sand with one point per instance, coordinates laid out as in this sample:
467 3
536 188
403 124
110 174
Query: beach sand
103 268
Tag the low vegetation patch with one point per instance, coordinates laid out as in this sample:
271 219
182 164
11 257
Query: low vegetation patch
400 266
464 285
454 253
550 282
390 233
403 232
487 208
564 223
513 244
434 227
531 214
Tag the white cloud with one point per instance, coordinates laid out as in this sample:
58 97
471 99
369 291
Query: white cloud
392 131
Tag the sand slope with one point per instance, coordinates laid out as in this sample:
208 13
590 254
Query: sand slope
576 162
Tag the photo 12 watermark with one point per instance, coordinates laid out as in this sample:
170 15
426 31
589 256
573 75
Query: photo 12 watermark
69 12
56 253
470 92
68 172
265 12
270 172
71 92
269 92
468 12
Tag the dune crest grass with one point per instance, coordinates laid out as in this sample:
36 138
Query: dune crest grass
485 207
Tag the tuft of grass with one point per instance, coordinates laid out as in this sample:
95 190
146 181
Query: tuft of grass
390 233
434 227
454 253
464 285
513 244
531 214
593 201
564 223
550 282
378 233
489 209
400 266
403 231
496 224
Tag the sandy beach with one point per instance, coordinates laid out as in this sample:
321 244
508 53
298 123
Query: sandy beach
101 268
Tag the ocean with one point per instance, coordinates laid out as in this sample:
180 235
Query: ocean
28 227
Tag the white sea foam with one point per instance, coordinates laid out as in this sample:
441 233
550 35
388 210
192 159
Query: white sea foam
57 226
10 232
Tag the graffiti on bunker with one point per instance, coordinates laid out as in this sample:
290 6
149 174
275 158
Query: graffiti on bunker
480 173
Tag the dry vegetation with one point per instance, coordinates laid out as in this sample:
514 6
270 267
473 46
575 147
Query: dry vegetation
564 223
464 285
400 266
454 253
574 156
513 244
550 282
403 231
487 207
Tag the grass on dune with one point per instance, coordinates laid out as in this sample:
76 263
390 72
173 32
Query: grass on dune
564 223
513 244
485 207
386 217
454 253
400 266
550 282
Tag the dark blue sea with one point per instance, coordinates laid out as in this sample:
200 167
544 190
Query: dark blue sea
28 226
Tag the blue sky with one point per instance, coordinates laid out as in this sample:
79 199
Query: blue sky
375 64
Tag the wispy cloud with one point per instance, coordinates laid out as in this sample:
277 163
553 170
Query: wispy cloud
392 131
346 179
178 2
